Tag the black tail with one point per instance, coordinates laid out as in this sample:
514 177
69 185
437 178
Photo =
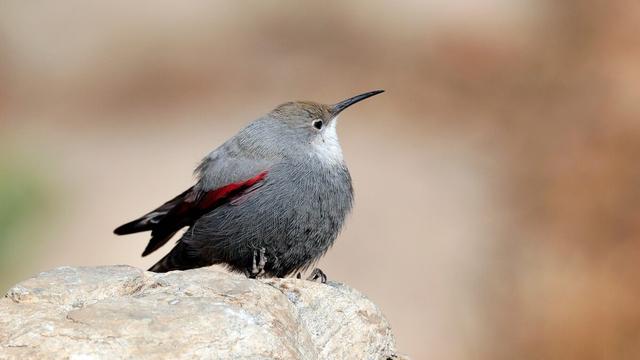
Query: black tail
179 258
162 222
137 225
149 220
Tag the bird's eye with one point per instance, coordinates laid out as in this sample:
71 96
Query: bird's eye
317 124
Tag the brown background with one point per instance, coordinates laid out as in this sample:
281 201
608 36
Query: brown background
497 181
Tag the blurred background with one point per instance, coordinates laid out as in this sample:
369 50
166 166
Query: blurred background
497 180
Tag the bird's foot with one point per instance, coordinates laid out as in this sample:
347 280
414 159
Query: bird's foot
257 268
316 275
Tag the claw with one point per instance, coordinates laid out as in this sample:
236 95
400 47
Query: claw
262 262
254 267
318 274
257 268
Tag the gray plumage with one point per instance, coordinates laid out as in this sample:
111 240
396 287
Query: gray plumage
279 186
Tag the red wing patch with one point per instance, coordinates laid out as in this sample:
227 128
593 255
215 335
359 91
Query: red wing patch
213 198
193 205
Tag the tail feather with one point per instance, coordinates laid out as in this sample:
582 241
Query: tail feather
154 221
135 226
148 221
157 241
179 258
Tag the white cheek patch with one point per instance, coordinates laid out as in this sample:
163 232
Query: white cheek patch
326 145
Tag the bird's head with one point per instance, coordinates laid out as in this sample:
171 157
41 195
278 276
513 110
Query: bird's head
312 124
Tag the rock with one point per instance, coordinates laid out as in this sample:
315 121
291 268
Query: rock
119 312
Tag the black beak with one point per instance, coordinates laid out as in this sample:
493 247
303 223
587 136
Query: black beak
337 108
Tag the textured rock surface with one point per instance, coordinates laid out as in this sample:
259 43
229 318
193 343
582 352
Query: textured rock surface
123 312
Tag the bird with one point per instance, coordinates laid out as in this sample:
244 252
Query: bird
268 202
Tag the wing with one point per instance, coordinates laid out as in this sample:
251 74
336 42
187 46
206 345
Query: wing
235 168
149 220
185 209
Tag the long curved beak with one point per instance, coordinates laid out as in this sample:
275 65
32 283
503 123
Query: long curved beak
337 108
